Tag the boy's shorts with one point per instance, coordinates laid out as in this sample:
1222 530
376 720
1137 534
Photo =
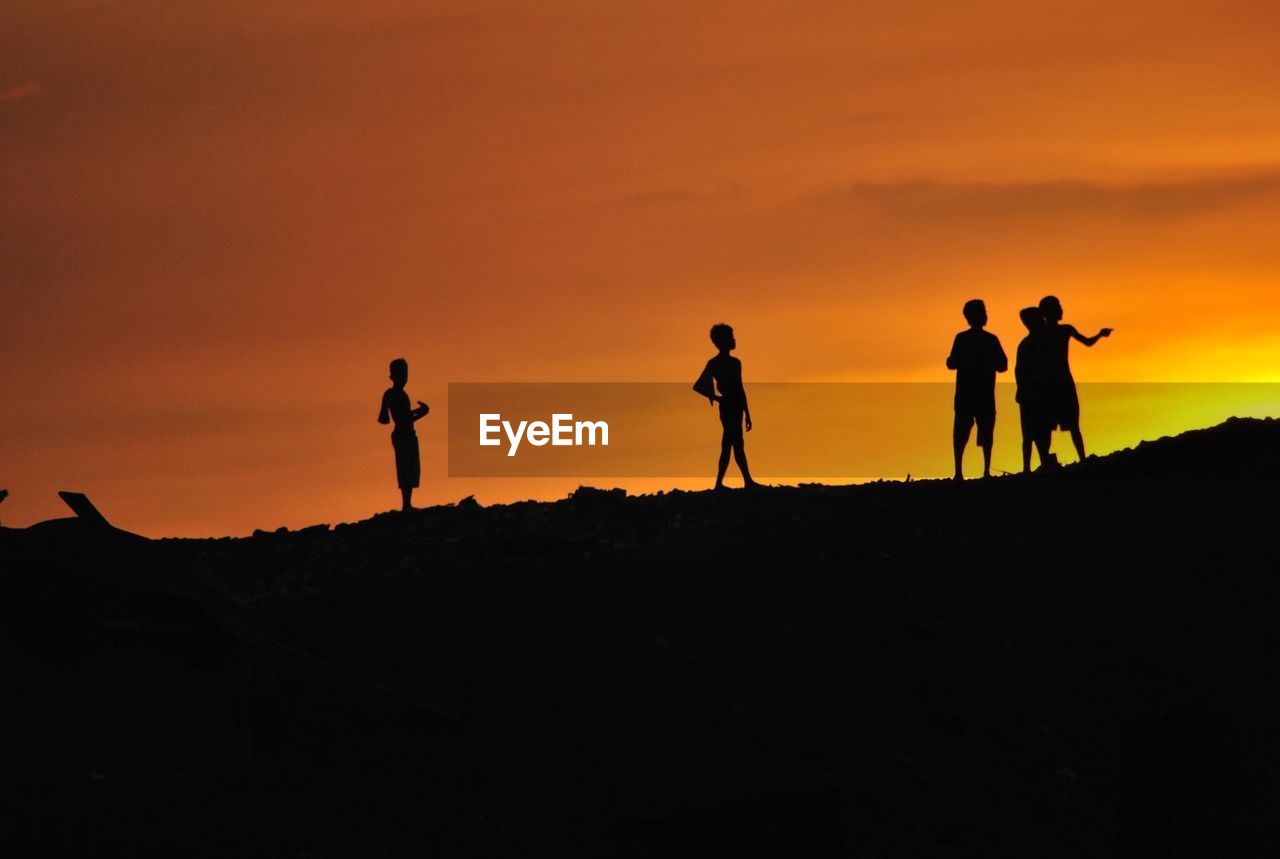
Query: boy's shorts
408 466
986 422
1062 405
1034 423
731 416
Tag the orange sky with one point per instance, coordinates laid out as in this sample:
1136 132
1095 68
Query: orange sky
219 221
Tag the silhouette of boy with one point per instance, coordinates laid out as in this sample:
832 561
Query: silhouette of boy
976 356
724 373
1028 371
1061 402
404 440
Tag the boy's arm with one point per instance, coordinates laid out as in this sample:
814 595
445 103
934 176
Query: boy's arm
705 386
1089 341
384 415
420 412
746 410
951 359
1002 360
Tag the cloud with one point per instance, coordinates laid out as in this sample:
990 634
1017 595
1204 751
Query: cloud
944 201
22 91
677 196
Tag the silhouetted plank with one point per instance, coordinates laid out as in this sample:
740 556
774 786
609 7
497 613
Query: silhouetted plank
83 508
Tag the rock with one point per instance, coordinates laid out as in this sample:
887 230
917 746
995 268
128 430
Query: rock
593 494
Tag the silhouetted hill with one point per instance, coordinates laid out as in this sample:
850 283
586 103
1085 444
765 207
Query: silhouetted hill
1075 664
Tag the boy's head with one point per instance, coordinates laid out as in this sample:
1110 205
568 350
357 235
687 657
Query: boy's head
1051 308
399 371
975 313
722 337
1031 317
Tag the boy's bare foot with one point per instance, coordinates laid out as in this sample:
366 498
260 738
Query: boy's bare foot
958 476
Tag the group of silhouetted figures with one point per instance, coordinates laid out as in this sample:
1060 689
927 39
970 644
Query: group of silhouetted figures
1046 394
1046 390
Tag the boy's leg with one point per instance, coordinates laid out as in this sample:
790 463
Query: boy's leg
406 495
1078 440
1042 447
740 457
986 439
723 465
959 438
1027 417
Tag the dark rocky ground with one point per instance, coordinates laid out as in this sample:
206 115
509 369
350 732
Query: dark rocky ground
1078 664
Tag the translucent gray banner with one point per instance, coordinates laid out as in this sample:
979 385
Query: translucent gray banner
855 430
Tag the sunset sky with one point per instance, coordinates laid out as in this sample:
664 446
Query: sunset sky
219 221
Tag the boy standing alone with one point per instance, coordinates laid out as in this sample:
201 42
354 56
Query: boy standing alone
404 440
721 381
976 356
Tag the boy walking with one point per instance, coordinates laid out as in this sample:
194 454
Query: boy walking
976 356
724 373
